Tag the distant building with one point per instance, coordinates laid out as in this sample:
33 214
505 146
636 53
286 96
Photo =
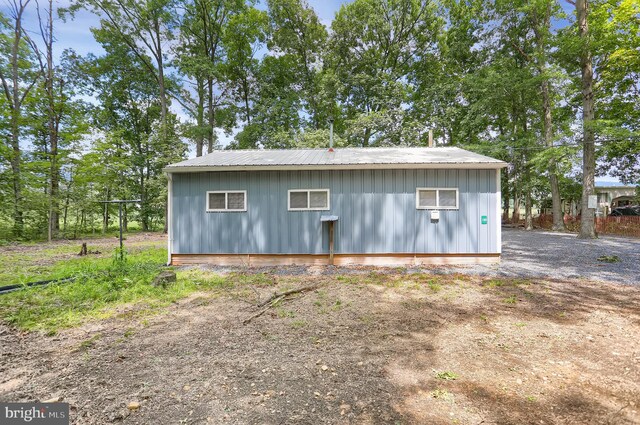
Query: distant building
614 196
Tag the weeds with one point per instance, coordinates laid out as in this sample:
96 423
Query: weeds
348 279
446 376
254 279
282 313
609 259
510 300
434 286
100 286
88 343
297 324
493 283
441 394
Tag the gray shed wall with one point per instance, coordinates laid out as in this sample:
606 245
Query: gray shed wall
377 210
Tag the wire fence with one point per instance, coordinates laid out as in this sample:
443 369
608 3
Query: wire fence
621 225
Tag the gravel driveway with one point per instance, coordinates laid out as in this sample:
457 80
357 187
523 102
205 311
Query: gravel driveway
563 255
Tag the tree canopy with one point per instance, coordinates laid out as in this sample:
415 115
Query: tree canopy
550 86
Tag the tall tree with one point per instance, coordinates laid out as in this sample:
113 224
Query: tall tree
587 222
18 75
616 28
209 18
374 44
243 38
53 124
296 32
202 56
145 27
540 14
130 116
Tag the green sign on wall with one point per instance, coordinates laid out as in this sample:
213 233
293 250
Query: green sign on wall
483 219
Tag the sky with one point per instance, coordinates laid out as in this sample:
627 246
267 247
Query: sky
76 33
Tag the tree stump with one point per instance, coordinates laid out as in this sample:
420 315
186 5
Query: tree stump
83 249
164 279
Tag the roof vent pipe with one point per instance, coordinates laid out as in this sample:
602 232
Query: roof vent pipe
431 138
330 134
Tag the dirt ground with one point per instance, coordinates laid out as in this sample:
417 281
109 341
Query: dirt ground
364 349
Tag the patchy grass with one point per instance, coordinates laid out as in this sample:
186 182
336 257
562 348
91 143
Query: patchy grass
494 283
446 376
297 324
89 342
255 279
284 313
31 261
510 300
405 347
434 286
100 287
441 394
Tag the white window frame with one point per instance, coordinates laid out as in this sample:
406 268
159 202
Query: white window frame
226 201
309 199
438 207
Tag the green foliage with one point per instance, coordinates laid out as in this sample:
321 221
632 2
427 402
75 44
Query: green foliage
273 74
373 48
100 287
609 259
511 300
446 375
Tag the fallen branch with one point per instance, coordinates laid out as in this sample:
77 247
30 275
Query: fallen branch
289 292
263 311
277 297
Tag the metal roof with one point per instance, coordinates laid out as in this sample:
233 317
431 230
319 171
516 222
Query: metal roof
339 159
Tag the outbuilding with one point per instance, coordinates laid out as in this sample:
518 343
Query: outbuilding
377 206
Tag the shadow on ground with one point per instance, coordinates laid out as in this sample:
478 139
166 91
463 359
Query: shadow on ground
374 349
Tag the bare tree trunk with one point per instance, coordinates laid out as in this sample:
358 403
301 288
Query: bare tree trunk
516 193
211 115
245 94
161 83
366 137
144 215
587 222
528 202
15 90
52 123
556 201
541 30
65 214
528 208
200 116
18 223
515 217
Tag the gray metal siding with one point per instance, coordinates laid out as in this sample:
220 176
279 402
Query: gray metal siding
377 210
